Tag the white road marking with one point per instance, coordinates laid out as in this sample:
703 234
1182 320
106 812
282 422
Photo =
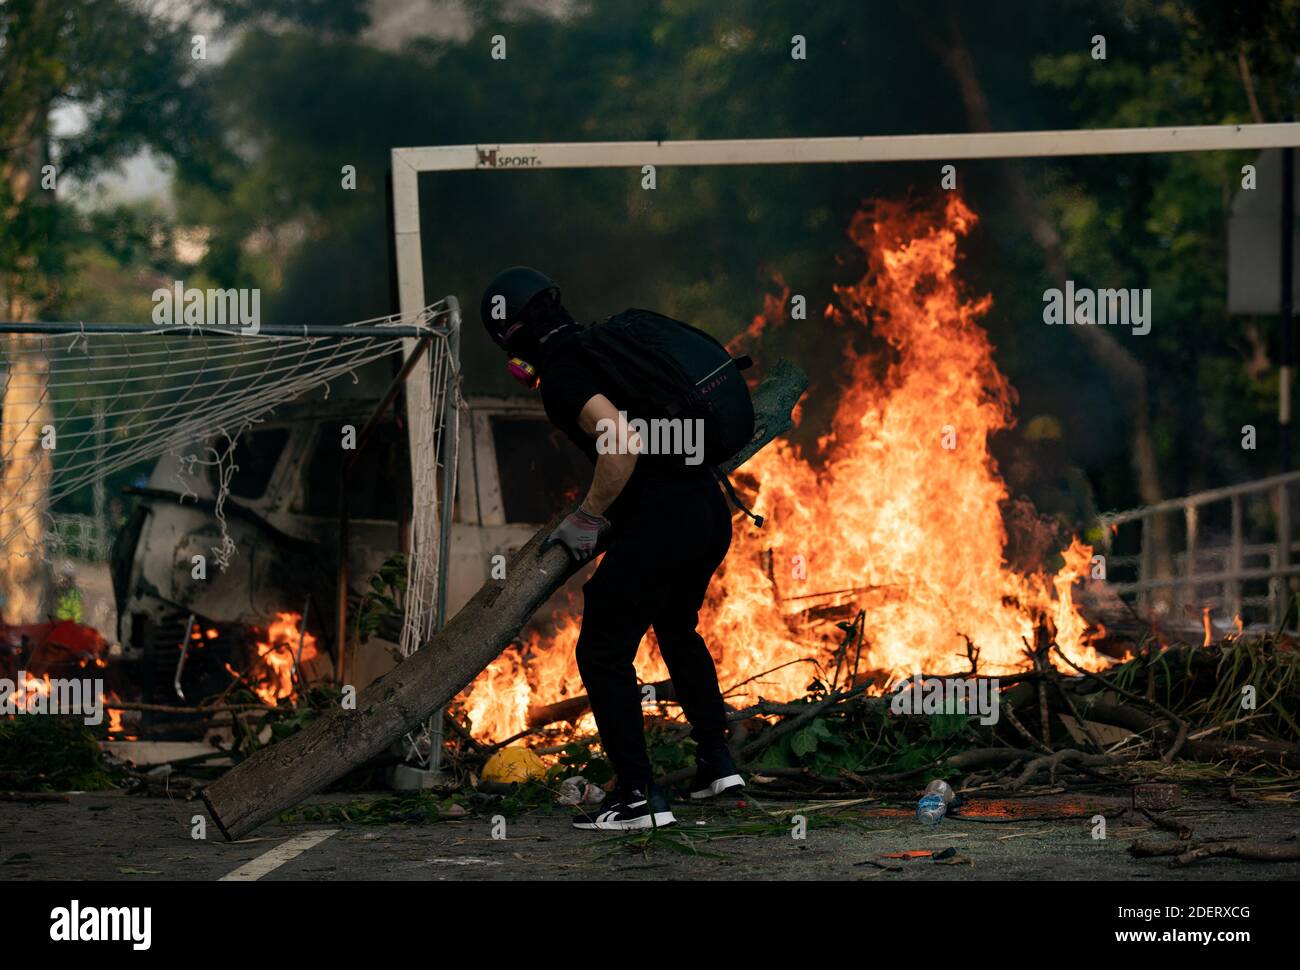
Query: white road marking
268 861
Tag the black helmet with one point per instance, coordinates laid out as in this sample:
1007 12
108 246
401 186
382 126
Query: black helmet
518 285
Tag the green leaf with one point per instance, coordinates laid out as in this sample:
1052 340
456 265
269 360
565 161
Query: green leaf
946 725
918 755
775 756
804 742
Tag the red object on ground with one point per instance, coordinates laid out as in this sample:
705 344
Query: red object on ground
50 644
74 637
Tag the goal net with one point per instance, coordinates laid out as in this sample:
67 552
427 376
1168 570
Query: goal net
81 402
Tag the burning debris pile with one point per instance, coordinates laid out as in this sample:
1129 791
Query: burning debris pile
85 692
1226 712
36 658
897 512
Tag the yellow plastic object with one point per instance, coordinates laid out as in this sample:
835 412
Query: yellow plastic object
513 764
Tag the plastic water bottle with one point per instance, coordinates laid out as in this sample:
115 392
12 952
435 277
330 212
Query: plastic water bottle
940 787
934 802
931 809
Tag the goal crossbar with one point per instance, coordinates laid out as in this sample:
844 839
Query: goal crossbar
409 163
863 148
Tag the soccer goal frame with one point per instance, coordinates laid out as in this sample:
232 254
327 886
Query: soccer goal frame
409 163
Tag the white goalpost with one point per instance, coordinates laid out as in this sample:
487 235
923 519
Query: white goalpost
409 163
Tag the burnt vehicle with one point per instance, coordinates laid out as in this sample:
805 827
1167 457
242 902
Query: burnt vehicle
187 626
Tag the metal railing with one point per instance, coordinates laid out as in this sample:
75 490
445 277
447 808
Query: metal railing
1184 576
79 537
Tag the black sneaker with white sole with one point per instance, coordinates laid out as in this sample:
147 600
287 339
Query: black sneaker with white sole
715 774
626 810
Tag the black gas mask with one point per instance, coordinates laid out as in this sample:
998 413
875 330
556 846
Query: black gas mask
522 312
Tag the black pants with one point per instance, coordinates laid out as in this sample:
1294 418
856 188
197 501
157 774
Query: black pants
662 554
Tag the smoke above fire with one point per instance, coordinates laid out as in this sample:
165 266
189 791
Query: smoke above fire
895 511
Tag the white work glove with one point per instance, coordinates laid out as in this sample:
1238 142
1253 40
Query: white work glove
578 534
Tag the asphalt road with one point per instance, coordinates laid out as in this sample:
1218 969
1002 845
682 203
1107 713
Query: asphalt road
111 836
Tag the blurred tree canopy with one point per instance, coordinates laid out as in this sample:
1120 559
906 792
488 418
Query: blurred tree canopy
126 76
306 90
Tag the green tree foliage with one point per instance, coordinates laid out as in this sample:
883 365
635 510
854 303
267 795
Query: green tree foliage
128 73
1161 220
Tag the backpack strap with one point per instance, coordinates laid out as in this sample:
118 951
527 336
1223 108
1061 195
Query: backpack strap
725 481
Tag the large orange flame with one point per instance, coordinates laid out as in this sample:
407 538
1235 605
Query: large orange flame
895 512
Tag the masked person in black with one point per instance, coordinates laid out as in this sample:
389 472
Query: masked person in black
669 530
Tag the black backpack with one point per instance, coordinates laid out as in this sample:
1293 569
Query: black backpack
673 370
